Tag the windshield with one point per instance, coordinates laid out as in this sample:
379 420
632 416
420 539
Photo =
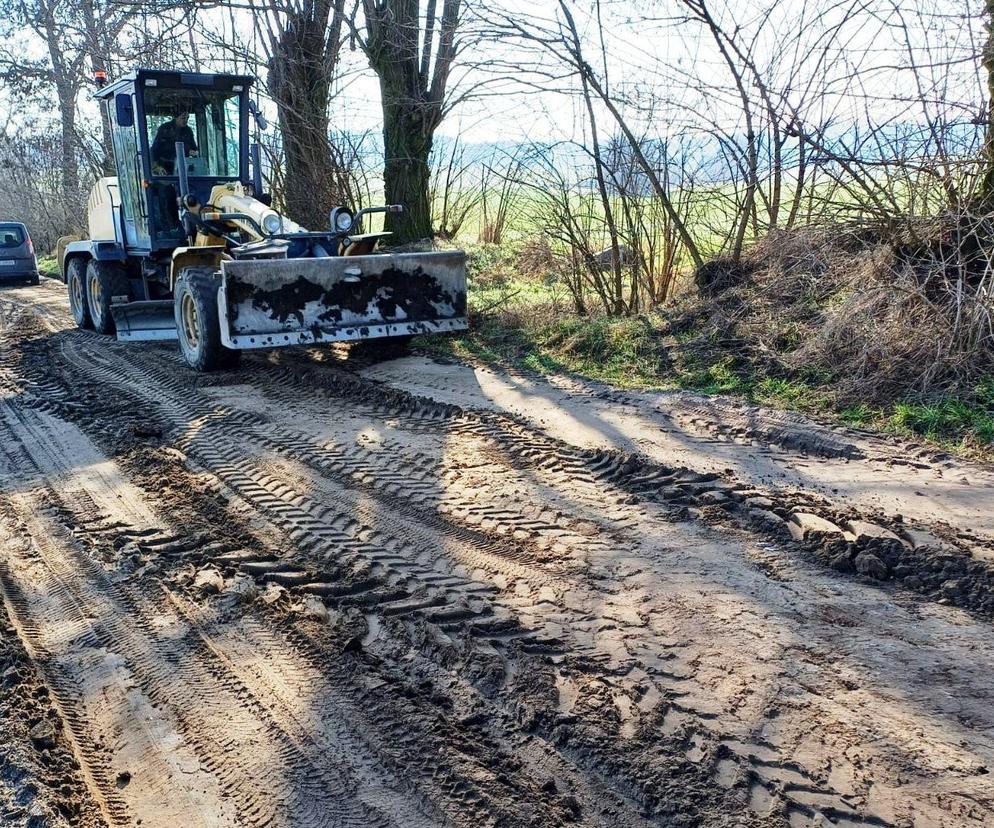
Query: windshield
11 235
206 121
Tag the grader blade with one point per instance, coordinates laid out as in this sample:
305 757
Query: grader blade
144 321
265 303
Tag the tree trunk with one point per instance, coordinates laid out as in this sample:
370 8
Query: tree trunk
406 172
413 95
68 145
310 179
66 89
99 43
987 184
302 62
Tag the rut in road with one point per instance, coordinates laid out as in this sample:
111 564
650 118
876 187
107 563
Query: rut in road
524 639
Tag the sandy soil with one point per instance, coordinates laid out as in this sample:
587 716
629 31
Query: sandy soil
310 592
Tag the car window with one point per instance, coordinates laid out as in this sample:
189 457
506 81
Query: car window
11 235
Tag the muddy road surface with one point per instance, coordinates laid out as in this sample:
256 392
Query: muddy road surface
315 592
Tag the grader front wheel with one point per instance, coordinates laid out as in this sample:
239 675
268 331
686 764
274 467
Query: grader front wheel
195 309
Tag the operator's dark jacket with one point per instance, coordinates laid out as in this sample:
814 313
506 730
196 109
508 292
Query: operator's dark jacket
164 145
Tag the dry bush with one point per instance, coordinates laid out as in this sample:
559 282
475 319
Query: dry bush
878 317
535 258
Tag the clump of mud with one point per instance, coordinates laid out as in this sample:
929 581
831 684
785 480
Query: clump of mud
886 550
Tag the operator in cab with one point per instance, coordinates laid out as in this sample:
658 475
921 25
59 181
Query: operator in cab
164 145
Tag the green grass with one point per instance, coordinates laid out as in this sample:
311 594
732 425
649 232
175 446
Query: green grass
617 351
945 419
860 414
784 393
48 265
719 377
965 423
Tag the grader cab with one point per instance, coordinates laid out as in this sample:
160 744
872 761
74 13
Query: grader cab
183 243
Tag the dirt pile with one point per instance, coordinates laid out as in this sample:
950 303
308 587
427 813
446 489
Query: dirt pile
878 316
944 569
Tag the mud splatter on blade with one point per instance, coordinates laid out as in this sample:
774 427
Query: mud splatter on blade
267 303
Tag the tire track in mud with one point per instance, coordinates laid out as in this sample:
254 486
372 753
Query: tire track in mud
716 419
41 778
943 568
725 420
563 465
288 508
766 769
541 760
270 775
410 748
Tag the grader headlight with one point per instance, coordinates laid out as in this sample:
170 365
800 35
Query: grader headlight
272 223
341 220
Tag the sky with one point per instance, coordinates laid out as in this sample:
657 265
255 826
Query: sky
669 75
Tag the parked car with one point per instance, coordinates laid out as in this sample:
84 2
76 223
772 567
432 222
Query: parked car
17 254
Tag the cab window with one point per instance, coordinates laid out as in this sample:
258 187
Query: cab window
206 122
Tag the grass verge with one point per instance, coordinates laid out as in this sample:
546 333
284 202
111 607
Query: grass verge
643 353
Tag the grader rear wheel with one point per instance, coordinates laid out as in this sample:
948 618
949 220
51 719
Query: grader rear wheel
76 287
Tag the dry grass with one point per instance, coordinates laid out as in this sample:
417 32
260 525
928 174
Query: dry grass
878 318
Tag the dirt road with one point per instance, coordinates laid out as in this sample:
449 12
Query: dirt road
313 593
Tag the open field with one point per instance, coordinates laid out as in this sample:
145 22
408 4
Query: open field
403 593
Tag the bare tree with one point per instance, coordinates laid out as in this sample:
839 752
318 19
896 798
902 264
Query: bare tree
82 38
986 194
453 196
56 25
559 40
499 179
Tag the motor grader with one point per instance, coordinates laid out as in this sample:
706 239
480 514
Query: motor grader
183 243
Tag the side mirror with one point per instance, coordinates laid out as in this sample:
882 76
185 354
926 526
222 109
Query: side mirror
260 119
124 110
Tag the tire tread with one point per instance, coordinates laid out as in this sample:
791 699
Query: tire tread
113 282
202 284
